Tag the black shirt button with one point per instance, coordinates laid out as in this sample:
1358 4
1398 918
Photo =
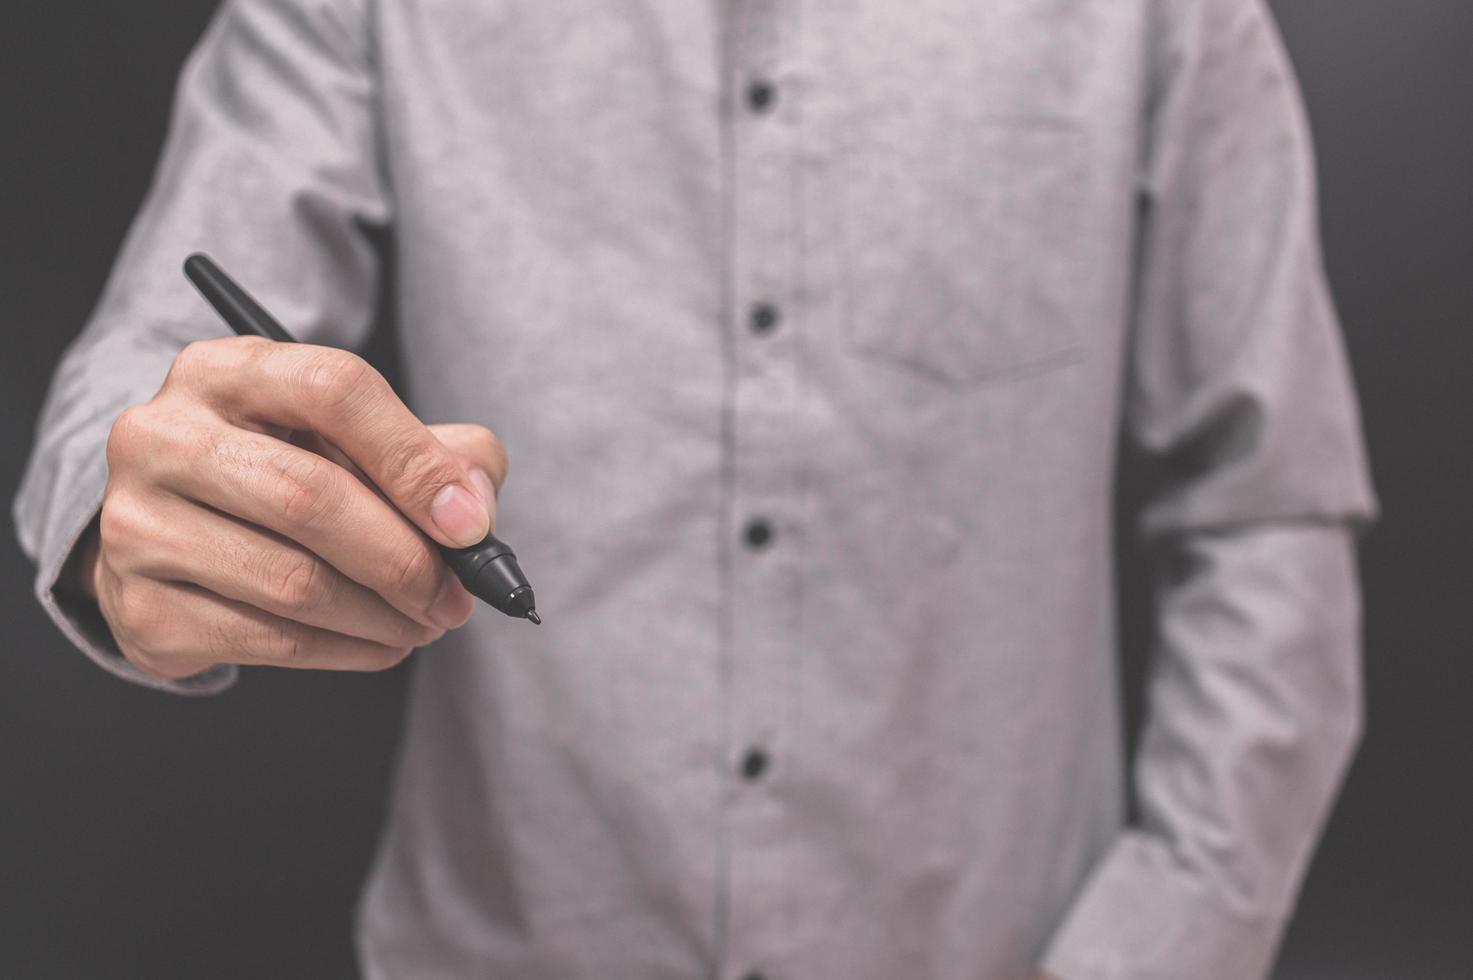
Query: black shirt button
754 976
758 533
754 764
764 318
761 94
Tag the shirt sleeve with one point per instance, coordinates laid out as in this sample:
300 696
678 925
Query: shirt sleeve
1240 395
273 166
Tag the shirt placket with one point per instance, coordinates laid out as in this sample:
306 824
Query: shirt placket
764 515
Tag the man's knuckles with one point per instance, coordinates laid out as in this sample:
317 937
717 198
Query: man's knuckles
208 363
134 615
136 436
411 580
306 490
478 446
334 382
414 473
123 522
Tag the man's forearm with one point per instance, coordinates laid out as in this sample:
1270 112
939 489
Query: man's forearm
1253 712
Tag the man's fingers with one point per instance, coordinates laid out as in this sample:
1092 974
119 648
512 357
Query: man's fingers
314 443
314 502
166 624
342 398
248 564
483 455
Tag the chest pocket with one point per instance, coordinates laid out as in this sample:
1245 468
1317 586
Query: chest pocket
962 247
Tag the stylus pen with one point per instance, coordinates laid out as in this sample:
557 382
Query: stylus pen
489 569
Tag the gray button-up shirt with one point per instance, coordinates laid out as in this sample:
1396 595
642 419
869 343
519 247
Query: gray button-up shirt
890 281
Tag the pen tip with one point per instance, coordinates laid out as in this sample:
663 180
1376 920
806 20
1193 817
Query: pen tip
536 619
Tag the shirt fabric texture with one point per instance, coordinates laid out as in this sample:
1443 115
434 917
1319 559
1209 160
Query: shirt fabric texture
896 281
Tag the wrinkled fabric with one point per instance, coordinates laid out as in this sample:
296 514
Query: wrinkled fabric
999 237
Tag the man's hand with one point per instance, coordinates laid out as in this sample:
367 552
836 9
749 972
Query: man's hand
221 541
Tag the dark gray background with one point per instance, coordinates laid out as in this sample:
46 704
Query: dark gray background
146 835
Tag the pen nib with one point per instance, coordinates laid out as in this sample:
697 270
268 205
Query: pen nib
536 619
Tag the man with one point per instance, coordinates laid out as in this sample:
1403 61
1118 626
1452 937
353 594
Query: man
812 328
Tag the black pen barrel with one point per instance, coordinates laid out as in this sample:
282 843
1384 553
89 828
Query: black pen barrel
235 306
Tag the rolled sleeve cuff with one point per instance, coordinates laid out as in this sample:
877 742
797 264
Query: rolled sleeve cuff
1142 915
77 616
